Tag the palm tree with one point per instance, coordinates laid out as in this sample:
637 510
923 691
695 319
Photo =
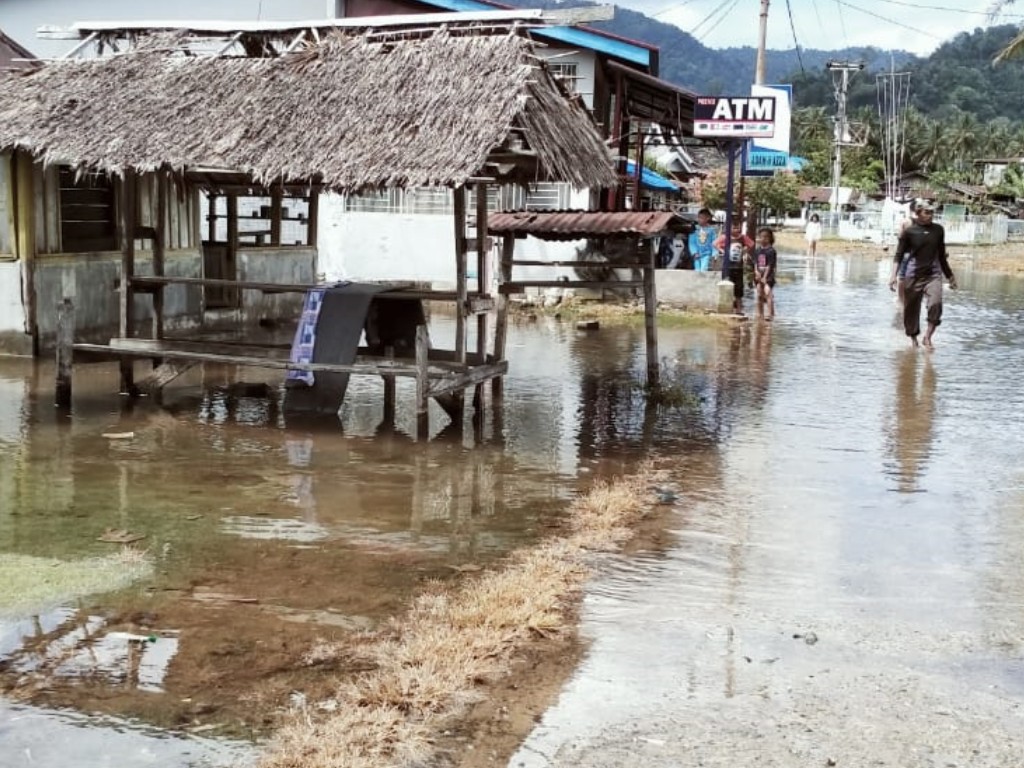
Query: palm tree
1016 46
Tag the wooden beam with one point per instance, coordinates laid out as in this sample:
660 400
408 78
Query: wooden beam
232 297
473 377
313 222
508 247
211 217
584 263
159 234
519 285
275 216
65 352
650 320
483 281
422 383
25 239
126 326
460 269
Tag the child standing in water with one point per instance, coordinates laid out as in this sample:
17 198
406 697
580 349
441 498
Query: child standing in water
765 261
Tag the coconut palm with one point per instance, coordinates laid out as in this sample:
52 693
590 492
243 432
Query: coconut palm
1016 46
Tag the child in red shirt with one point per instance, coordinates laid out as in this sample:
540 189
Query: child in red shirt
732 263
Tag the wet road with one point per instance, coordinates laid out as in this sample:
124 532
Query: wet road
831 482
846 582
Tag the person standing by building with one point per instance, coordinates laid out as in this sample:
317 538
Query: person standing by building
732 262
765 263
924 244
702 241
812 234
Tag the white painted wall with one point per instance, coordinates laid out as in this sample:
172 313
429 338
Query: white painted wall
584 61
12 312
396 246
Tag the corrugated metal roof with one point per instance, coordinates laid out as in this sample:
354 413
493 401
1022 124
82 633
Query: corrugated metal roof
573 225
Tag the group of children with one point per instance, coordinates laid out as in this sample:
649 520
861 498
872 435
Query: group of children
747 262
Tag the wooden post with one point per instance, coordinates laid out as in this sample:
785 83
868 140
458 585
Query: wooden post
483 286
460 274
25 238
126 326
211 217
65 352
389 390
508 247
232 296
650 318
158 254
422 383
275 215
314 217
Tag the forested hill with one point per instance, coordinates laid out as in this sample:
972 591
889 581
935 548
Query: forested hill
958 77
713 71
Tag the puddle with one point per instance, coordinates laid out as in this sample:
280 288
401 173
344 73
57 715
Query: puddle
811 455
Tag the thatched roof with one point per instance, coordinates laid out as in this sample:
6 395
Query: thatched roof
351 112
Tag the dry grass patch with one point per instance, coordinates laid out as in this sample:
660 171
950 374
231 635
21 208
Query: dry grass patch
434 663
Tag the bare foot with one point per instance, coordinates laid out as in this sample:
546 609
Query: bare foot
927 341
913 342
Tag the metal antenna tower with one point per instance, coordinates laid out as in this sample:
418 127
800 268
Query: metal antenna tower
893 101
841 134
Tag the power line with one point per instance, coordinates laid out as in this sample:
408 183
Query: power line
926 7
887 20
842 22
792 27
673 7
719 20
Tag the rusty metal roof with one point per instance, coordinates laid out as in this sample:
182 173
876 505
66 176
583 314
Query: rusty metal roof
573 225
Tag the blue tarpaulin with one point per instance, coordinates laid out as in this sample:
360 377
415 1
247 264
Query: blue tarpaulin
651 179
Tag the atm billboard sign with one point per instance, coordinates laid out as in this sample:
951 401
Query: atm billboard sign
734 117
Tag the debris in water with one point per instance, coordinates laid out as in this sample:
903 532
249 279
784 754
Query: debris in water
119 536
119 435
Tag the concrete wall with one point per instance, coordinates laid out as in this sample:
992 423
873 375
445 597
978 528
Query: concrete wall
275 265
90 279
687 289
13 339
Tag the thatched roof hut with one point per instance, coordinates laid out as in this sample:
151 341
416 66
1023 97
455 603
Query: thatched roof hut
352 113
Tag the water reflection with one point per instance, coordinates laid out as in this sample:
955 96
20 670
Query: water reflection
913 417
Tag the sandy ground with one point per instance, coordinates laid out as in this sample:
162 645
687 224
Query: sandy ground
1007 258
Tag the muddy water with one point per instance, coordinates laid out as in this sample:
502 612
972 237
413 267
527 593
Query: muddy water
845 585
814 457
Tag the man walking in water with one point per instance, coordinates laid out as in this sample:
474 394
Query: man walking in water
924 244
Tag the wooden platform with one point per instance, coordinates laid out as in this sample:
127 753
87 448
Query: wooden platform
438 369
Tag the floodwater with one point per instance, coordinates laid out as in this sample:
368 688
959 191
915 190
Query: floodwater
828 479
845 583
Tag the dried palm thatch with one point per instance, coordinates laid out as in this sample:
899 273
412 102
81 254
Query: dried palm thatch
351 113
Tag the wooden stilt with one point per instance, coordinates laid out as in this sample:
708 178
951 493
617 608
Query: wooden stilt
158 257
313 217
276 199
422 383
389 390
483 286
65 352
211 218
127 305
650 317
460 274
508 246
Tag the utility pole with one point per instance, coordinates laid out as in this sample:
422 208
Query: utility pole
762 38
750 223
841 128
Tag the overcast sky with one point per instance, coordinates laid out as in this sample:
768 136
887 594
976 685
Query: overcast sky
914 25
